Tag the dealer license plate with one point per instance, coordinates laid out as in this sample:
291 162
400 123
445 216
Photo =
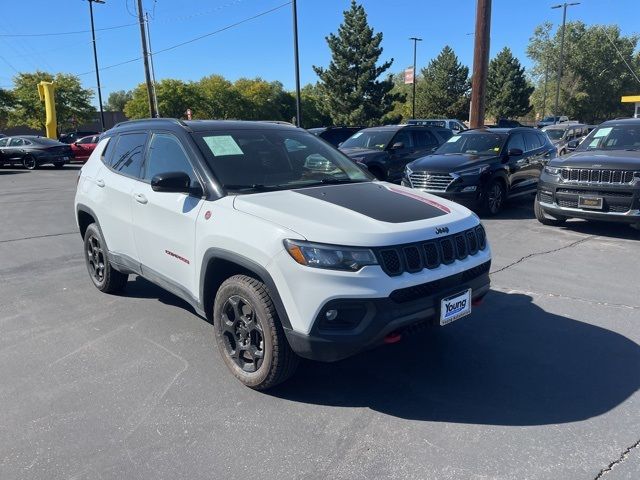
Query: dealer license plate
455 307
590 202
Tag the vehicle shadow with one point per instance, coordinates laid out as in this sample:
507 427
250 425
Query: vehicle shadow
602 229
511 363
12 172
139 287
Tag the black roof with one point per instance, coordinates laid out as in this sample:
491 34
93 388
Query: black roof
496 130
622 121
201 125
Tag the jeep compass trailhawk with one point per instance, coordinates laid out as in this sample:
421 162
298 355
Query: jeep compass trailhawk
292 249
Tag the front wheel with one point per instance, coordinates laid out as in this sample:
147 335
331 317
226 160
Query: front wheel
545 218
29 162
106 278
494 197
249 335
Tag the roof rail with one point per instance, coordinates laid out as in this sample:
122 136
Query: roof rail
175 121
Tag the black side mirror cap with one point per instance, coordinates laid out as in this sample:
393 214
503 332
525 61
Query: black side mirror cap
397 146
171 182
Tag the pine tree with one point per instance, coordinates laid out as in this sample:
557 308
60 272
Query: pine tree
350 84
443 88
508 91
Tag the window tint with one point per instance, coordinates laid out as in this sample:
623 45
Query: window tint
15 142
544 140
516 141
403 136
85 140
127 154
166 155
424 138
532 141
3 142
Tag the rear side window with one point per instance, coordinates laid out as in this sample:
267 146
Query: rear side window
3 142
166 155
516 141
127 154
424 138
532 141
16 142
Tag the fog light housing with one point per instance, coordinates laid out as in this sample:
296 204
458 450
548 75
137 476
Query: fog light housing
331 315
342 315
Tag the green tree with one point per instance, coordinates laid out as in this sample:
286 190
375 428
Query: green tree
174 98
314 113
353 93
402 105
443 90
73 103
265 100
508 90
595 72
220 99
117 100
6 104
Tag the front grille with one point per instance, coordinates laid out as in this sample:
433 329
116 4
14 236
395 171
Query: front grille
432 182
590 175
415 257
568 203
619 208
545 197
417 292
599 193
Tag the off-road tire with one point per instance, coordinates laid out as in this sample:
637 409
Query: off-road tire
106 278
545 218
278 361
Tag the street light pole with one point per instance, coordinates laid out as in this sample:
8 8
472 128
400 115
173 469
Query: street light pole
558 80
95 59
297 63
413 97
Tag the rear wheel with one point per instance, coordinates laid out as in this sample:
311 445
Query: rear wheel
545 218
29 162
249 335
106 278
494 197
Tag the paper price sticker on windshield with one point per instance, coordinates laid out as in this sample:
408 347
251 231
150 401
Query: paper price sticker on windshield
454 139
356 135
222 145
602 132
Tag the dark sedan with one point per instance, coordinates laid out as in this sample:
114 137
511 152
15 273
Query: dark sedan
386 150
31 152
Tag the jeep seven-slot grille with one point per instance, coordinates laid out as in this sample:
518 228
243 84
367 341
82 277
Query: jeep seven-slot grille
431 254
590 175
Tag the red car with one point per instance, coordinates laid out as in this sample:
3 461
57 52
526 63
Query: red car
83 147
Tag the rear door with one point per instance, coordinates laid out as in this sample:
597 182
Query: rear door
517 164
165 223
399 157
536 158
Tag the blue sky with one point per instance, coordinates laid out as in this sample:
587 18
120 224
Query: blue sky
263 47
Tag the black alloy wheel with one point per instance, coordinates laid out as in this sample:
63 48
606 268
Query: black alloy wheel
242 333
95 259
29 162
103 275
495 197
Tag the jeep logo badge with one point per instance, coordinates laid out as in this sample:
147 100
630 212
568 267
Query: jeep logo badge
440 230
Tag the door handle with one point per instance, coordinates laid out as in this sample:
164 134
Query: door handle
140 198
100 182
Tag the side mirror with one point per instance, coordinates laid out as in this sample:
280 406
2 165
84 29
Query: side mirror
515 152
171 182
397 146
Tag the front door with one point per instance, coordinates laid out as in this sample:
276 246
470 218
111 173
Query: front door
165 223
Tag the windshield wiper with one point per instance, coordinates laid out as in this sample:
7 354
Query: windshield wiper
333 181
259 187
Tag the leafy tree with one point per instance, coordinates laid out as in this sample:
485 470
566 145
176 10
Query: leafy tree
353 93
220 99
444 88
595 75
117 100
265 100
508 90
174 98
402 106
73 105
314 113
6 104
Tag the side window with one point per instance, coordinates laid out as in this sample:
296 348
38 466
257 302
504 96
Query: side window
166 155
532 141
106 152
16 142
424 138
3 142
403 136
516 141
127 154
544 140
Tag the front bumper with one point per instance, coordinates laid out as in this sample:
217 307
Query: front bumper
621 203
470 199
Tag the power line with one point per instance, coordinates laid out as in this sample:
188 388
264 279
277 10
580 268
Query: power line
51 34
621 56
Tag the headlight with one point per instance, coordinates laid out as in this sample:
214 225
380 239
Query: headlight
475 171
329 256
552 170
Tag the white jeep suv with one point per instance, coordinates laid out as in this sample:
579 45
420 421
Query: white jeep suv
287 259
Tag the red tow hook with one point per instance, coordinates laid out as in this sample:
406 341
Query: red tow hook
393 337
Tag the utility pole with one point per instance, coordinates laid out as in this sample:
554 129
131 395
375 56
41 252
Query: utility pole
297 63
95 59
413 97
145 56
153 69
558 80
480 62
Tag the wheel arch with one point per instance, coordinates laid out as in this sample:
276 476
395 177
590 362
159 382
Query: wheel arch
85 217
219 264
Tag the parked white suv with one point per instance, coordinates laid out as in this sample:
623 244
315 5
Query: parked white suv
286 259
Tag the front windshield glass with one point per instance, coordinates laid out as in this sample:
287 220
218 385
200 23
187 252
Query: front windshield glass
473 143
549 119
555 133
374 139
618 137
270 159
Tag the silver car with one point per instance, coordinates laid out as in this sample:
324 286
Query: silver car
566 136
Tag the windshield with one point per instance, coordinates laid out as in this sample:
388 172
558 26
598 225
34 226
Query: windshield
550 119
555 133
474 143
618 137
375 139
269 159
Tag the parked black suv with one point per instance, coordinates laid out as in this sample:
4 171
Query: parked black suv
482 168
386 150
334 135
600 180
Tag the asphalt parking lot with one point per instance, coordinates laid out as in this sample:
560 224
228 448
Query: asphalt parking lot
541 382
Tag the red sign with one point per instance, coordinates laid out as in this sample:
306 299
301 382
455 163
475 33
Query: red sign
409 75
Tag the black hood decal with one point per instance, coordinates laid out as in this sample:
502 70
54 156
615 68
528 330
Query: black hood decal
386 203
